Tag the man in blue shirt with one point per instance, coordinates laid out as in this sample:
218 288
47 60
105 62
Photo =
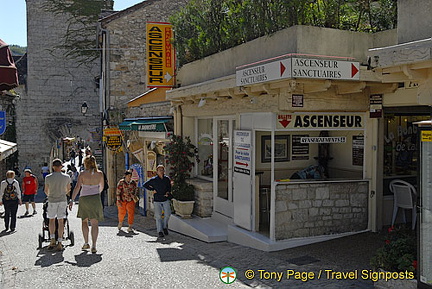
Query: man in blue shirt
161 187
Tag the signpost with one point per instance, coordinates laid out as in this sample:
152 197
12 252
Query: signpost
293 67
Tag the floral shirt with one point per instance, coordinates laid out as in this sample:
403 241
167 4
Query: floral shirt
126 191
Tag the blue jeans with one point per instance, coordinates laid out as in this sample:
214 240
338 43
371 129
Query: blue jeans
158 207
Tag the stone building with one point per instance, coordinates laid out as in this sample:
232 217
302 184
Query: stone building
57 86
122 38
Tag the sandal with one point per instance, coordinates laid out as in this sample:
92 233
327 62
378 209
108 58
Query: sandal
86 246
93 250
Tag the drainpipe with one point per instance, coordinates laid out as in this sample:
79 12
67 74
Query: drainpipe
104 102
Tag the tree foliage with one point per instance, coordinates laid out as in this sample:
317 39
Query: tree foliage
205 27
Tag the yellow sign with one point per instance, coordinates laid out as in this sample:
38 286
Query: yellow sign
426 135
160 55
112 131
114 142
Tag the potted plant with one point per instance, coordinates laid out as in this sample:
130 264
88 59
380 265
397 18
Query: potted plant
180 157
399 254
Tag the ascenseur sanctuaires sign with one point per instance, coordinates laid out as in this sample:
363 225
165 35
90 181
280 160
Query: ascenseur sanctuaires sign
294 67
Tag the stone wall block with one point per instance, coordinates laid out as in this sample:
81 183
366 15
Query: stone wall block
328 203
313 212
299 194
322 193
358 200
281 206
342 203
305 204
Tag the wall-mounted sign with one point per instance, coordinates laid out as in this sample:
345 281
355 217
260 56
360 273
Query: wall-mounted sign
242 152
375 105
323 139
2 122
160 55
297 100
300 151
293 67
426 136
113 142
319 121
357 150
325 69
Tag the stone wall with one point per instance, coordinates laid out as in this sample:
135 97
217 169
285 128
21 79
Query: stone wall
150 109
309 209
57 86
127 43
203 197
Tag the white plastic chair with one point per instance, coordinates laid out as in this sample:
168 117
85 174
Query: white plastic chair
405 197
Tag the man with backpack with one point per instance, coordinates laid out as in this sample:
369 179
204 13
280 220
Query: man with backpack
10 197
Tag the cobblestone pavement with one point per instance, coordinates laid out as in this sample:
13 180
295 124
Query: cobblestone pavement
141 260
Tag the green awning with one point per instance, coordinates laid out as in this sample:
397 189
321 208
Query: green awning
154 125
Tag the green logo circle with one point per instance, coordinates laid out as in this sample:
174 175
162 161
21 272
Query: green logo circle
228 275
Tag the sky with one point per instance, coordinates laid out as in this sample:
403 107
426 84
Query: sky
13 28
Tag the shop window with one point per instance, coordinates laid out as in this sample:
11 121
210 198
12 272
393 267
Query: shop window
205 147
401 148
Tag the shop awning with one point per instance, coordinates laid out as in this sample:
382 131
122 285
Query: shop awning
154 124
8 71
7 148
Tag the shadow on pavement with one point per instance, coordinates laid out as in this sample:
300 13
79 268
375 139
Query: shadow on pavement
86 259
48 258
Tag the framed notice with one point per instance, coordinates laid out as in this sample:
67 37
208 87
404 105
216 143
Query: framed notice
357 150
297 100
281 148
299 150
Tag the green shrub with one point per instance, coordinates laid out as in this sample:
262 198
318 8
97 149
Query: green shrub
399 252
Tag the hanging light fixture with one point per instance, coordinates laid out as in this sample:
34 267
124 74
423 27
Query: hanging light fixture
84 108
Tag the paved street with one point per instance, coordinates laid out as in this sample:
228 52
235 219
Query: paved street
139 260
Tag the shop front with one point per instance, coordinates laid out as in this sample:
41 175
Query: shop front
286 162
145 139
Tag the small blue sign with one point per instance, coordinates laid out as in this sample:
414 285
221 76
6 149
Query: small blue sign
2 121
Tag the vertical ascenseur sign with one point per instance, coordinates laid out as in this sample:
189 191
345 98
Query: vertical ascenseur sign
160 55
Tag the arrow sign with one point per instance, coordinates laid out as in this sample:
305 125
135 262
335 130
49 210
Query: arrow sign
167 77
354 70
242 164
284 122
282 69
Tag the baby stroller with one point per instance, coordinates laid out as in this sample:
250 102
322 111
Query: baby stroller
45 236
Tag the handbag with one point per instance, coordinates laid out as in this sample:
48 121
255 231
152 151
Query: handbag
135 198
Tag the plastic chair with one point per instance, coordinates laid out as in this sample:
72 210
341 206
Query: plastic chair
405 197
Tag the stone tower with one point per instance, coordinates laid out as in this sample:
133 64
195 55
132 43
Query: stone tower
57 86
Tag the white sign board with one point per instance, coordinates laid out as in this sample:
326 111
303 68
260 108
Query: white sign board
264 72
242 152
297 68
327 139
325 69
243 191
329 121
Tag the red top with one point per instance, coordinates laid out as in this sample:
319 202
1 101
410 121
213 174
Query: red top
29 185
